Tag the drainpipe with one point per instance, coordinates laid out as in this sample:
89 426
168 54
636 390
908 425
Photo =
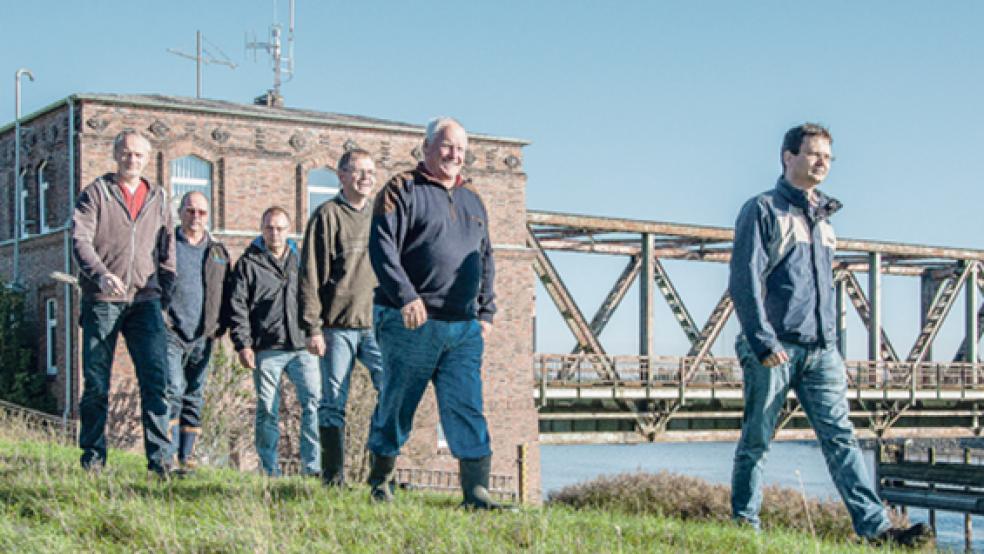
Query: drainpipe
18 185
67 233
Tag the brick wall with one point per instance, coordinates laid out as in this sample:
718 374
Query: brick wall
257 163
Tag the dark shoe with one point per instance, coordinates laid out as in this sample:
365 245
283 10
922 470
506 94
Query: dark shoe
475 485
162 474
381 478
911 537
332 456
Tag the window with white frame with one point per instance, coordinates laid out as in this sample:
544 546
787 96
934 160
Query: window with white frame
322 186
188 174
23 206
51 335
42 198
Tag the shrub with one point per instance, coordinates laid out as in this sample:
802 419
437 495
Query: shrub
672 495
20 380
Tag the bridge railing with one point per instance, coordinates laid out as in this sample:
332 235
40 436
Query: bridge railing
589 370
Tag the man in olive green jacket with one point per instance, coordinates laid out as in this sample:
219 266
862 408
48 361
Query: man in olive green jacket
335 300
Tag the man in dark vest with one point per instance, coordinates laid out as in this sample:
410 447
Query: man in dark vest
194 320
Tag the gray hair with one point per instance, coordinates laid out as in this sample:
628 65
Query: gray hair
435 125
128 132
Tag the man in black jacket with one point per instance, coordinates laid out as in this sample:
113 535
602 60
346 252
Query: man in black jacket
194 319
265 331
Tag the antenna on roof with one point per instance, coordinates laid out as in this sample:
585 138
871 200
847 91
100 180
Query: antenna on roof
283 65
203 56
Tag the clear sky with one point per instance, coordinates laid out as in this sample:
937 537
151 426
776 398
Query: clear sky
646 109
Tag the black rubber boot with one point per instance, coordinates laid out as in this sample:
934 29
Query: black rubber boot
475 484
332 456
381 478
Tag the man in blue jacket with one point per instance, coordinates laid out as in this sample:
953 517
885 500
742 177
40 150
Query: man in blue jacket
782 287
429 246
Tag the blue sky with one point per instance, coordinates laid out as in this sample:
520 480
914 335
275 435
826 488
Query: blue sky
654 110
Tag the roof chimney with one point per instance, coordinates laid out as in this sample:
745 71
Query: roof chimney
270 99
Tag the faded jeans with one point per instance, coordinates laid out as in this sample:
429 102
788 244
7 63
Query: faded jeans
142 326
449 353
344 346
819 379
302 369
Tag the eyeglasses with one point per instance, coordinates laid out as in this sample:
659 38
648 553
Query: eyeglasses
820 156
193 211
362 172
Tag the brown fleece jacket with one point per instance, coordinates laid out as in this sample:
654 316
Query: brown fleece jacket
106 240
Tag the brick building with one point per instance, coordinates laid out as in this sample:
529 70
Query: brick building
245 158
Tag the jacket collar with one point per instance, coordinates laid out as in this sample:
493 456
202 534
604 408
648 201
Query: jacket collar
260 245
826 205
180 235
421 176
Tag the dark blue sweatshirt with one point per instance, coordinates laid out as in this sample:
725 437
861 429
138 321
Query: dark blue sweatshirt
432 243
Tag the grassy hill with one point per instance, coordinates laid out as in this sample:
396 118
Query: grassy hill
48 505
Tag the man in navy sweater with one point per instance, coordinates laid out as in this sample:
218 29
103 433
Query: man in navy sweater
429 246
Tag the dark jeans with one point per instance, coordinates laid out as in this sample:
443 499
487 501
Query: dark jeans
447 353
188 370
143 329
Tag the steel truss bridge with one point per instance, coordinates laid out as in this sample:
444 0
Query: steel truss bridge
588 395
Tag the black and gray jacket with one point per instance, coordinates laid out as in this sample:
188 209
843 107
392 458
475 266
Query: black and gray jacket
263 311
782 279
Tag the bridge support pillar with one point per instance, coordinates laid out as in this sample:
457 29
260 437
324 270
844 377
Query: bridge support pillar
647 296
970 318
874 297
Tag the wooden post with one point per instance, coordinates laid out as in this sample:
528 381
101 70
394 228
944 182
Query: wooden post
968 522
903 509
932 513
521 470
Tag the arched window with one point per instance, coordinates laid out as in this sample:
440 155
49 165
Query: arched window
190 173
323 185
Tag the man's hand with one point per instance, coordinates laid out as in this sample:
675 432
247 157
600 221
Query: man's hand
247 358
776 358
316 344
414 314
486 329
111 284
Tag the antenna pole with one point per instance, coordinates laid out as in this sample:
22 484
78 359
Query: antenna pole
198 64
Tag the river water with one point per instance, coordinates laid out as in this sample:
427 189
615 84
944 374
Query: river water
569 464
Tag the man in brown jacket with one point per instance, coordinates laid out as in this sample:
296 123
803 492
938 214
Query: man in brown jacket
121 233
335 300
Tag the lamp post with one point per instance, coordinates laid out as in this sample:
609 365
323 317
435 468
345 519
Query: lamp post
18 183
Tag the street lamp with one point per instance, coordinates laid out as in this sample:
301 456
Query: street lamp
18 182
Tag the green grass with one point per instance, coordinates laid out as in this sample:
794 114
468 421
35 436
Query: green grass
48 505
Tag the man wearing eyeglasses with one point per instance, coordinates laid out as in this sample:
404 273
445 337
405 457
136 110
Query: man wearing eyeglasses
194 319
335 299
783 291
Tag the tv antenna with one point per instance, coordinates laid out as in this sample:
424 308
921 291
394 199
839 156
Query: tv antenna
283 65
202 57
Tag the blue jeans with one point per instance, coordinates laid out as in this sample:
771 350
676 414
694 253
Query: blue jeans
188 365
142 326
343 347
819 379
449 353
302 369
